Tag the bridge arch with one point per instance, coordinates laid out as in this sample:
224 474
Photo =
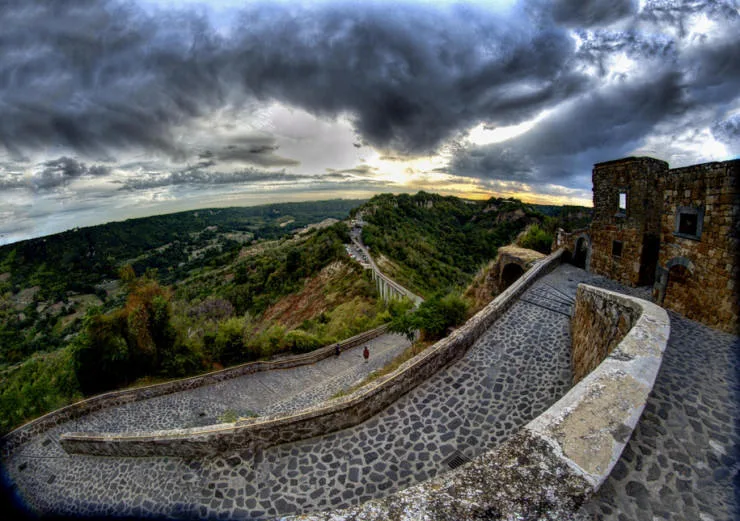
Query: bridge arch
510 273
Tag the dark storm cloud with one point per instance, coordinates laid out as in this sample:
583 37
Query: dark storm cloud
588 13
604 124
252 150
673 86
412 76
99 75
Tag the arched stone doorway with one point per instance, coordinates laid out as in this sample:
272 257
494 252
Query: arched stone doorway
510 274
582 253
676 287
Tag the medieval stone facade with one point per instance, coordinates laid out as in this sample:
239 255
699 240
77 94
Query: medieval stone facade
677 230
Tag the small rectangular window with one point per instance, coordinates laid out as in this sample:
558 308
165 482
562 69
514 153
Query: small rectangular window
616 248
687 223
623 202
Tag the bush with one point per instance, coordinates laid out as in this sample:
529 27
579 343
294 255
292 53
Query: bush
301 342
433 318
535 238
228 344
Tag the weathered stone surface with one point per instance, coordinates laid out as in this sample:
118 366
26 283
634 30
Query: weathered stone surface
598 325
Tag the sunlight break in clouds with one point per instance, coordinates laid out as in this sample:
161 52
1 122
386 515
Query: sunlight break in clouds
113 109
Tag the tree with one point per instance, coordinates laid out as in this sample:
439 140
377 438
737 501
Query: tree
433 317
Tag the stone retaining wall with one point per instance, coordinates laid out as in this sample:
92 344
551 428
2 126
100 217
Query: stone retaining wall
253 434
558 460
115 398
597 326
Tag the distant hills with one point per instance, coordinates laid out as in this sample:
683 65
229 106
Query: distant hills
433 243
146 299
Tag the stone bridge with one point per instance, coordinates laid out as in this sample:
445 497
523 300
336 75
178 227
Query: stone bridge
388 288
484 424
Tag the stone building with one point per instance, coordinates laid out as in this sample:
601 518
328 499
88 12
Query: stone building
677 230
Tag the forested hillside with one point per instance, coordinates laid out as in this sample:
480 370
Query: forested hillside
47 284
85 311
433 243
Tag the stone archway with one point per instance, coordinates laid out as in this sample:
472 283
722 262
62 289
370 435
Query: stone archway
674 284
582 252
510 274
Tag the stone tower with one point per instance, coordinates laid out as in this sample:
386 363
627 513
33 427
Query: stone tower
625 233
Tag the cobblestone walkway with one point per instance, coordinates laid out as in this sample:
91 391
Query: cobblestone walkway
679 465
683 461
513 373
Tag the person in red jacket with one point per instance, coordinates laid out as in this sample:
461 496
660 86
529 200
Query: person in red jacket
366 353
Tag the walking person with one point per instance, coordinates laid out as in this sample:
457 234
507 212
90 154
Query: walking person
366 354
337 350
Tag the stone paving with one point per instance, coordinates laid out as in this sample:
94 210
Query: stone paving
683 460
680 464
513 373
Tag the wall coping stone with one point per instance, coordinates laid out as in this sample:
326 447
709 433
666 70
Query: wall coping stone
256 433
558 460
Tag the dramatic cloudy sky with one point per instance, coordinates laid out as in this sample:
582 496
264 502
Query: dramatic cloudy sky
112 109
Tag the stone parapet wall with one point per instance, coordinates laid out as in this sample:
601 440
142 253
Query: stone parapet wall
558 460
337 414
597 327
24 433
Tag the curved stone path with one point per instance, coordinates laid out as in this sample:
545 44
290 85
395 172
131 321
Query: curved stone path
514 372
679 465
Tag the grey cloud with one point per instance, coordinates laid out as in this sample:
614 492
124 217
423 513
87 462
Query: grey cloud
196 176
728 132
256 154
588 13
59 172
602 125
49 175
100 75
676 13
361 170
411 76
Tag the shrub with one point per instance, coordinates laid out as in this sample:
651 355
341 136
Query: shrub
301 342
535 238
433 318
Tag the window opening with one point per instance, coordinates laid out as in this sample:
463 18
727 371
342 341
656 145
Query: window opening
687 224
623 202
616 248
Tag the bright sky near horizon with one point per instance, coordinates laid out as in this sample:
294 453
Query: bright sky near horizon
111 109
